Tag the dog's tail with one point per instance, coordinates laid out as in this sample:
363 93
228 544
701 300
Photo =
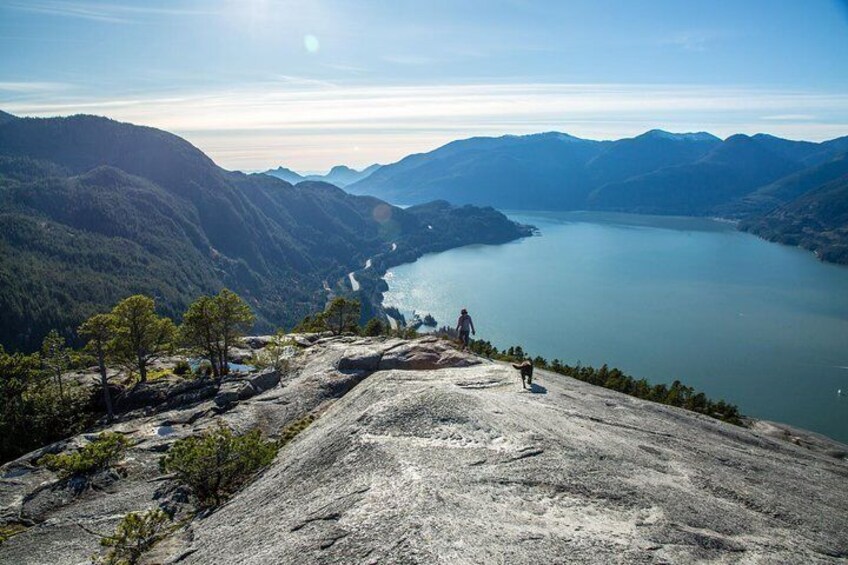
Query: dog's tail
522 365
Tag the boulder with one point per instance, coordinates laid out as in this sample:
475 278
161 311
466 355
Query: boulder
235 388
302 341
232 392
425 355
264 379
257 341
360 358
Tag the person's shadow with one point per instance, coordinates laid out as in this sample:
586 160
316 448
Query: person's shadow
538 389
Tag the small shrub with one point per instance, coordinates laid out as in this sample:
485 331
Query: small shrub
136 533
154 374
9 530
97 455
292 430
374 327
204 369
276 354
215 464
182 368
312 323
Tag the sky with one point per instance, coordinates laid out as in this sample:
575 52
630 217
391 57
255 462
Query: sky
311 84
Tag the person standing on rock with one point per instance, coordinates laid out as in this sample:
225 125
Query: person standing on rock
464 325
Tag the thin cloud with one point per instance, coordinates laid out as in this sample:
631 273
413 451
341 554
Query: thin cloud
414 60
26 87
697 41
790 117
109 13
353 69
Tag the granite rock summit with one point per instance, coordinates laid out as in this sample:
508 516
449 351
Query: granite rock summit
423 454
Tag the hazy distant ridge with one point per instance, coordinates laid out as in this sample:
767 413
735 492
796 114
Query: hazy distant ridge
340 175
656 172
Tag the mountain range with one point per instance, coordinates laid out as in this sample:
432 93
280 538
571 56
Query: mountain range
340 175
656 172
93 210
775 186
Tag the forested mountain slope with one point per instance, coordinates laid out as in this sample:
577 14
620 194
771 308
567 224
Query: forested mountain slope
94 210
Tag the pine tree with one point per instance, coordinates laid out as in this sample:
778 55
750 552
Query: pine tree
55 357
342 315
234 318
141 336
212 324
100 331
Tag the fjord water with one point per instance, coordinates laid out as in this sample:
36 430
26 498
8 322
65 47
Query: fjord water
762 325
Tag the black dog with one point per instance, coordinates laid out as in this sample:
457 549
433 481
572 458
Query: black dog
526 368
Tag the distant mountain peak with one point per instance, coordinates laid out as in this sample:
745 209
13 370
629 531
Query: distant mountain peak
339 175
687 136
567 137
738 138
558 135
341 169
6 117
282 169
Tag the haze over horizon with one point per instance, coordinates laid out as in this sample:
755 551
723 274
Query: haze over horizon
310 85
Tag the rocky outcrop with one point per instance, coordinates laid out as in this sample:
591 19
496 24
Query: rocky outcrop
244 387
423 454
461 465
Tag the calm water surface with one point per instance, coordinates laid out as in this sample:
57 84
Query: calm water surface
761 325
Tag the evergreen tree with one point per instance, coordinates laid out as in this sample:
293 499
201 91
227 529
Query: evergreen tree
311 324
342 315
199 332
212 324
32 412
55 358
141 336
100 331
17 371
234 319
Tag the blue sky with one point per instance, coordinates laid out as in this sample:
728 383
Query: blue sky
310 84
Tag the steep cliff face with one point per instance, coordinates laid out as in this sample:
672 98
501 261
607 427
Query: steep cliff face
422 454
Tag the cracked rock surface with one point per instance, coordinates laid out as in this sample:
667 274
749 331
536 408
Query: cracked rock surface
423 454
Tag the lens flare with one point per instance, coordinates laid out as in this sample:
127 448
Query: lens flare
311 43
382 213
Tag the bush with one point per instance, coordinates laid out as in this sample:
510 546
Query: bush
292 430
182 368
97 455
214 465
134 535
311 323
276 353
374 327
